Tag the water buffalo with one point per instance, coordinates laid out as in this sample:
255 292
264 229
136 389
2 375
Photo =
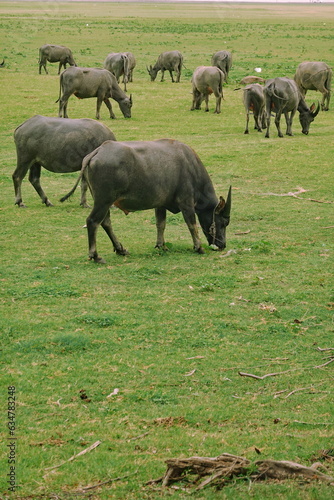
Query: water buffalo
223 60
55 53
118 64
167 61
254 102
283 96
58 145
131 65
205 81
92 82
315 76
165 175
248 80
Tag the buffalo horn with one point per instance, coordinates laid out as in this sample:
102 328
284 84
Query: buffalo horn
227 208
314 114
2 64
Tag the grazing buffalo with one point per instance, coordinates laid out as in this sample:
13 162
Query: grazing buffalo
248 80
254 102
283 96
92 82
167 61
315 76
207 80
55 53
131 65
58 145
223 60
163 174
118 64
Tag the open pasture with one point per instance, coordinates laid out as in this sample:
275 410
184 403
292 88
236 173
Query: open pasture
144 353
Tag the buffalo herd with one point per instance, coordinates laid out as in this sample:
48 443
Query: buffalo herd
141 175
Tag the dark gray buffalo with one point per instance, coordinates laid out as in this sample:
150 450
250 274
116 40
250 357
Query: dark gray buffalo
118 64
223 60
164 175
92 82
254 103
282 96
55 53
57 144
207 80
315 76
167 61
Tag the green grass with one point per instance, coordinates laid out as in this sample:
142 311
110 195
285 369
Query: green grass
169 330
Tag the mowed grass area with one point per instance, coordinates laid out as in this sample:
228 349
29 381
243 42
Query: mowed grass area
144 353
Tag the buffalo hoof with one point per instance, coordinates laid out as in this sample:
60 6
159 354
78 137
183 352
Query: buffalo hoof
98 260
121 251
199 250
48 203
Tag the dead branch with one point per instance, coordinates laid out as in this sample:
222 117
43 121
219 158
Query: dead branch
312 423
219 470
295 194
90 448
325 349
325 364
274 469
239 233
257 377
138 437
242 374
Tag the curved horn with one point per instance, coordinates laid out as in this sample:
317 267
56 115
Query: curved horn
314 114
227 208
131 98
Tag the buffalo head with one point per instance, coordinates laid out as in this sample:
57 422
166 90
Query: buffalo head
214 223
307 116
152 72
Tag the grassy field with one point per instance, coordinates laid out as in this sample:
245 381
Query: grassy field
144 353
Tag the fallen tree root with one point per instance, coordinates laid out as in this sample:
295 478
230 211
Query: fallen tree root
218 470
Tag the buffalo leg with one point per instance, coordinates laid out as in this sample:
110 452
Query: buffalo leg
206 102
218 104
288 119
63 105
160 220
42 64
108 104
196 100
171 75
162 75
18 176
277 123
98 107
190 219
97 217
34 178
118 247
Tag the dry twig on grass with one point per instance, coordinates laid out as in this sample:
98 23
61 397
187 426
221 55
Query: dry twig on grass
90 448
219 470
295 194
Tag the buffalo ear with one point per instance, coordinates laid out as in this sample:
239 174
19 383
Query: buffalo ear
312 108
220 206
224 207
131 98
